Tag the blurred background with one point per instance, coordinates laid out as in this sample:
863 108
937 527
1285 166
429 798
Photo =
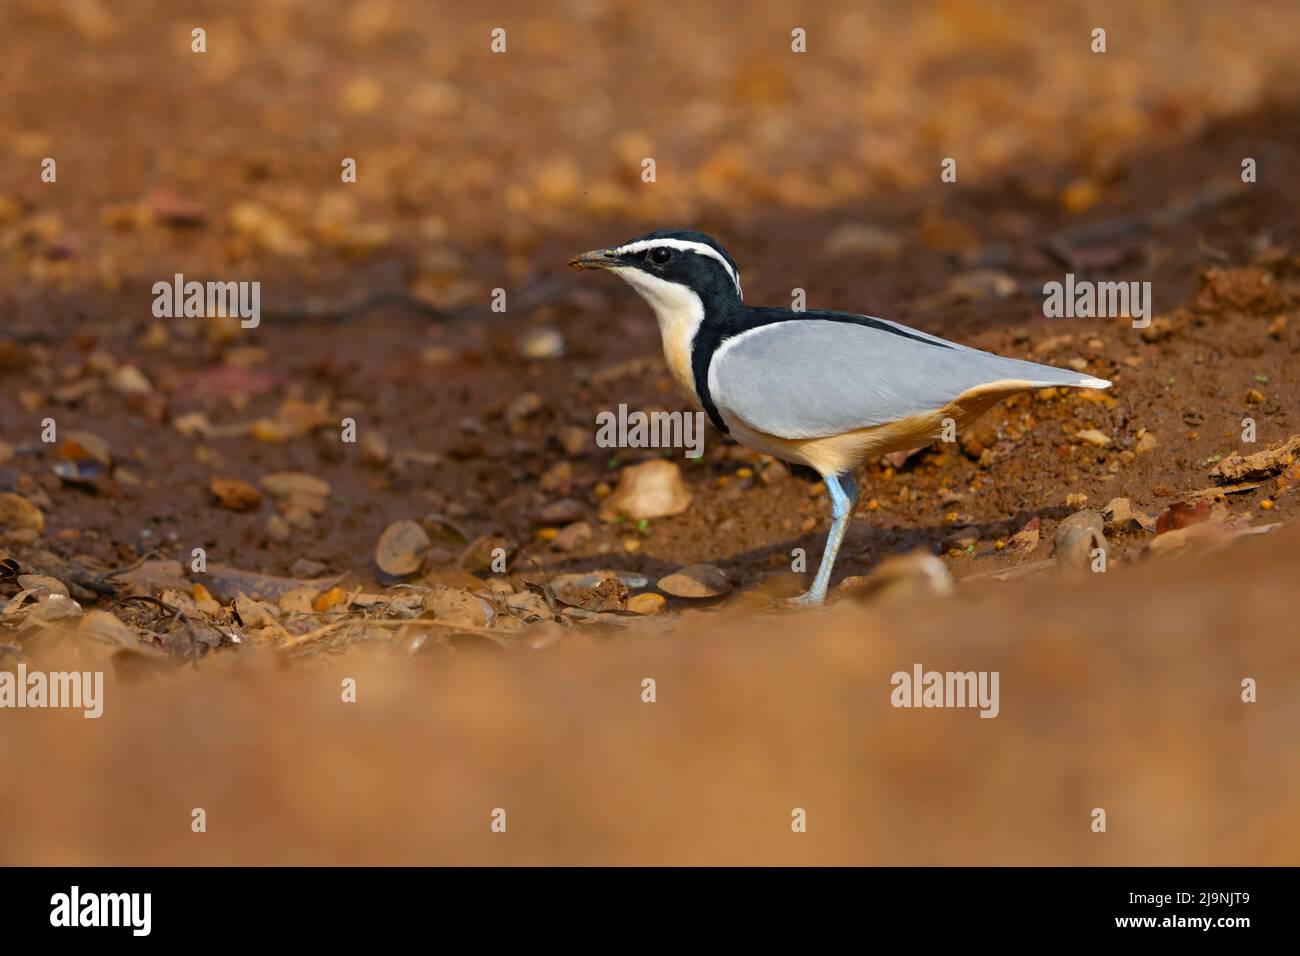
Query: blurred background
479 170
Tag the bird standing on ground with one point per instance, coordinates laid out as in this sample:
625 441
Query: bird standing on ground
818 388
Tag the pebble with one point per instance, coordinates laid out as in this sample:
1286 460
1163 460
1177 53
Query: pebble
649 603
561 512
307 568
401 548
863 240
521 408
106 627
529 604
235 495
1119 516
541 342
576 440
1077 537
17 513
479 555
652 489
902 578
456 607
695 581
573 537
1025 541
1094 437
129 380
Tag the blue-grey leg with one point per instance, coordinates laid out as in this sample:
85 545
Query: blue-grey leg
844 496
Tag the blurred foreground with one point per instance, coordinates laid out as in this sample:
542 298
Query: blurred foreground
1124 694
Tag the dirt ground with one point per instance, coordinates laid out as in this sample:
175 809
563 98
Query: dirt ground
479 171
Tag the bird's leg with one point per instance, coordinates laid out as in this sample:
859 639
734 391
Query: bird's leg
844 497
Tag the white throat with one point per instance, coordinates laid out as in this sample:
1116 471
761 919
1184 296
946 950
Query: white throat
679 312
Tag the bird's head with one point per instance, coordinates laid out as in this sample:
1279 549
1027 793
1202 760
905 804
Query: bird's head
664 265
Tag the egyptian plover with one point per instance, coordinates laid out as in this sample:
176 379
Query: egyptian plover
818 388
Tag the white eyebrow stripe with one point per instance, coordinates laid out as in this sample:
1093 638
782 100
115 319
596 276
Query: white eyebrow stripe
685 245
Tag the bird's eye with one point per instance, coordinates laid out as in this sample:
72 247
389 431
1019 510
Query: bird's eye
660 255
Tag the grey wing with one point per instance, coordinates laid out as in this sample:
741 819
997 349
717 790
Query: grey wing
809 378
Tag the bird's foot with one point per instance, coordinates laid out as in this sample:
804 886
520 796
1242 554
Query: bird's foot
812 598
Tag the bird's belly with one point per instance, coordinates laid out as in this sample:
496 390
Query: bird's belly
836 454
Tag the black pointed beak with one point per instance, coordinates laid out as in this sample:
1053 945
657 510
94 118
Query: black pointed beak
596 259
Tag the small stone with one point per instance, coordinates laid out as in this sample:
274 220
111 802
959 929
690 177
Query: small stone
307 568
648 603
1148 442
695 581
1119 516
84 446
573 537
43 585
541 342
773 472
459 608
528 604
254 614
1025 541
1077 539
129 380
863 240
1094 437
499 588
297 601
288 484
576 440
902 578
374 448
483 553
561 512
652 489
328 600
277 529
557 477
1076 500
18 514
1254 396
401 548
106 627
1160 328
154 576
234 494
520 409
